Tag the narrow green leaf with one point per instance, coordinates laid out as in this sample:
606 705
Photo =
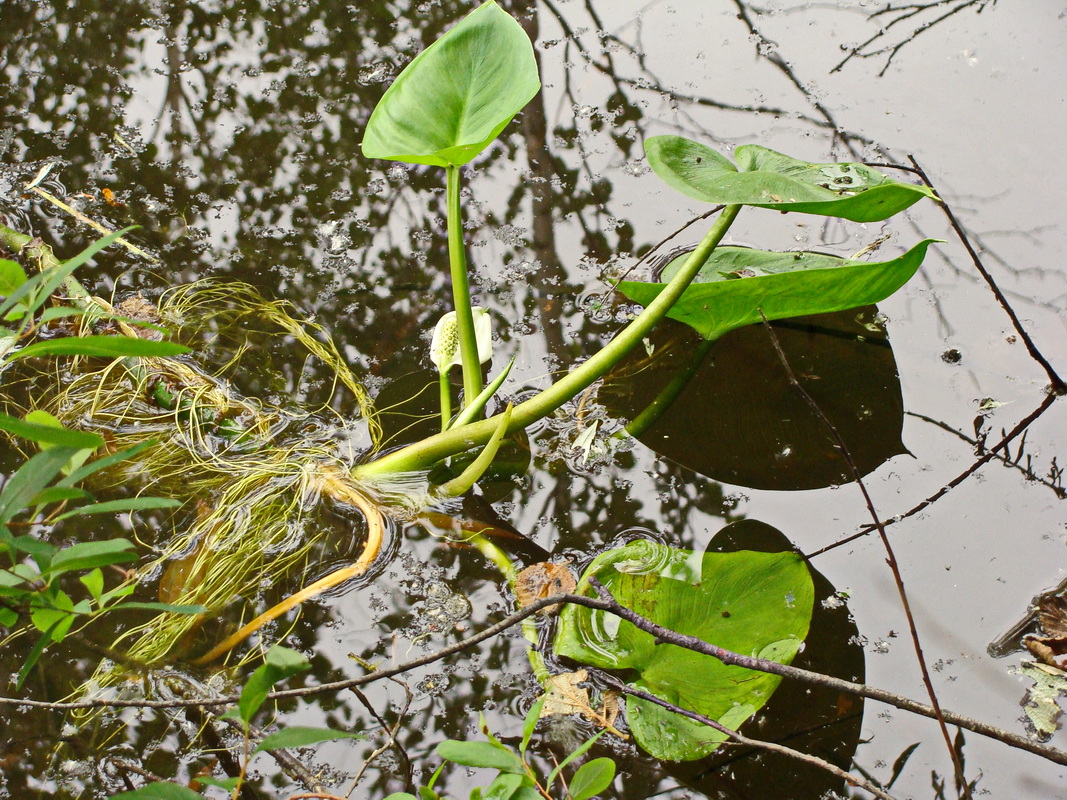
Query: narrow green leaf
87 555
768 179
101 346
281 663
504 786
736 283
123 506
94 582
578 752
37 428
479 754
530 723
297 736
457 95
171 608
11 276
30 478
229 784
35 654
106 461
40 287
56 494
592 778
21 299
40 550
161 790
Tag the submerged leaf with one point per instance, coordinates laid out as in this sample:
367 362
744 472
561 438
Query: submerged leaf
736 283
751 603
769 179
457 95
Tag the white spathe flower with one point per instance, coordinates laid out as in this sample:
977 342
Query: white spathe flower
444 347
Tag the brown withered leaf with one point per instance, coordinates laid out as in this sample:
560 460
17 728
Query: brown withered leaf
543 580
564 695
1052 613
1051 648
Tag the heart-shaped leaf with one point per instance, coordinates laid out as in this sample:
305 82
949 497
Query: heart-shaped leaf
768 179
751 603
457 95
736 283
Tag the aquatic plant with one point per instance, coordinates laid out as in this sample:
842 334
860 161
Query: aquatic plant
266 469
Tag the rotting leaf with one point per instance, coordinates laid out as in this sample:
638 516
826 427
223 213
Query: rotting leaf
566 695
1040 704
1051 648
542 580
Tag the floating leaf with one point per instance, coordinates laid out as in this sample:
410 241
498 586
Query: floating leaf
751 603
542 580
736 283
457 95
565 695
1040 704
769 179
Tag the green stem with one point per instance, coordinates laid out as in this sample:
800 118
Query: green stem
457 261
459 439
446 399
501 561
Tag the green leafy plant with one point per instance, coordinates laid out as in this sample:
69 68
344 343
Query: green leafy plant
517 778
446 107
31 580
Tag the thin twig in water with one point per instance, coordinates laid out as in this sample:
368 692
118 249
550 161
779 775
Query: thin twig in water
738 738
1059 387
952 484
1005 457
891 559
391 733
1017 741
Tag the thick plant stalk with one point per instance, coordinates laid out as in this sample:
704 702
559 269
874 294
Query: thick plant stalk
461 438
339 487
461 293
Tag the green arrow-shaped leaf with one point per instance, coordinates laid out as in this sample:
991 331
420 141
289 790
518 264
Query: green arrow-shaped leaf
769 179
457 95
736 283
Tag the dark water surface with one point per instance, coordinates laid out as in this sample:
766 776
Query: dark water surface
230 132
